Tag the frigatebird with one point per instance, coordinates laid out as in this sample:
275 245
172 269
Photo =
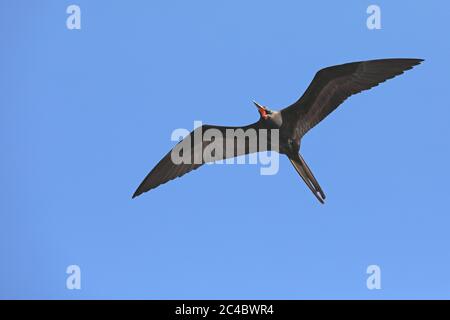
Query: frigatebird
328 89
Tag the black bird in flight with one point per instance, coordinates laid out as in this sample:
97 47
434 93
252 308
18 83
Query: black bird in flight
329 88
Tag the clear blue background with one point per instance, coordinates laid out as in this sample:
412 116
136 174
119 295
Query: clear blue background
85 114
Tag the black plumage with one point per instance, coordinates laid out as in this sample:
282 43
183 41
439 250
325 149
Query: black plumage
330 87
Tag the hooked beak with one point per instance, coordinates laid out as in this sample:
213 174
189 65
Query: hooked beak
262 110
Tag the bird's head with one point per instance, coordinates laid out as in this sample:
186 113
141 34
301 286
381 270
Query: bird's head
263 111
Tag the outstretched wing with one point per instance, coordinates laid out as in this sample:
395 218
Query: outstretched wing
332 85
190 153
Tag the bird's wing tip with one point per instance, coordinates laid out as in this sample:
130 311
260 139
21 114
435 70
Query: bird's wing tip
136 194
416 61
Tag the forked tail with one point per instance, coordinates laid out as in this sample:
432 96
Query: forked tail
307 176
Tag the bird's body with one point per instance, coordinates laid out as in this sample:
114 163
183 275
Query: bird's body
329 88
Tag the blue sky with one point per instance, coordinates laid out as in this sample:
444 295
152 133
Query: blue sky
85 114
